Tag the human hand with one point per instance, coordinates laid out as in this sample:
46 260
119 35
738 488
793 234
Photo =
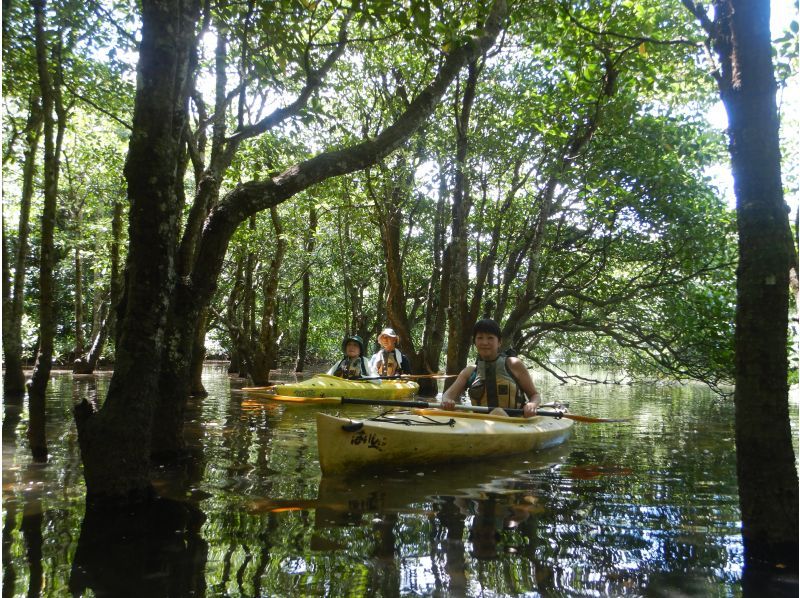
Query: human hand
448 404
529 409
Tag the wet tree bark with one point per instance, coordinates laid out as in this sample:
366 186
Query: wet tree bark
115 441
768 483
14 292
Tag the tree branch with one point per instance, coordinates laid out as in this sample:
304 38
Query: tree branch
313 81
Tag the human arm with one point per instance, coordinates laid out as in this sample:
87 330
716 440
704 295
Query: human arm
523 378
334 369
456 389
371 370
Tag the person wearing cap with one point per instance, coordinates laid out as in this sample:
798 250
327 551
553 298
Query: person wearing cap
496 380
353 365
389 361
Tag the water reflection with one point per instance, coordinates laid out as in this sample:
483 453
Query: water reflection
155 549
647 508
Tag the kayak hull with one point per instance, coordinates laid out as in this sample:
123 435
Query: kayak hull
429 436
323 385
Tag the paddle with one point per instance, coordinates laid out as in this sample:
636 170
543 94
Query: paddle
406 377
476 409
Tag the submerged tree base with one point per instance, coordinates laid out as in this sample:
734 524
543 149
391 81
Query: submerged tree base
158 542
768 556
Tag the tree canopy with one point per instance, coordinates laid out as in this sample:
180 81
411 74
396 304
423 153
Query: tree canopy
590 227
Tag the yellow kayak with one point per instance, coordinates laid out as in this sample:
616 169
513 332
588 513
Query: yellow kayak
428 436
324 385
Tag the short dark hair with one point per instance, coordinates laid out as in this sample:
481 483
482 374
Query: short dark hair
488 326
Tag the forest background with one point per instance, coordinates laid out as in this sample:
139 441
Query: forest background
568 185
294 171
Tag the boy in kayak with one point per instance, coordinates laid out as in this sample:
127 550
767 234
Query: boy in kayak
389 361
495 380
354 365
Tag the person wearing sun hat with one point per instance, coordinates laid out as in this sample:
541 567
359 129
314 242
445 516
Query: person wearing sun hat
389 361
353 365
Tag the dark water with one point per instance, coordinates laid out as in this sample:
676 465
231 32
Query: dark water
646 508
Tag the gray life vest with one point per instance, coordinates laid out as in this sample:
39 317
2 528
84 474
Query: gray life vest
351 368
492 385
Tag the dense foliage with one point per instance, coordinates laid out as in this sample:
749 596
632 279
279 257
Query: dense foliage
592 228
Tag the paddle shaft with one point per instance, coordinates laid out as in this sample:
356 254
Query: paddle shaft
405 377
426 405
478 409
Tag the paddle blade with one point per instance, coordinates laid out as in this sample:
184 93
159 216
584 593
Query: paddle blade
581 418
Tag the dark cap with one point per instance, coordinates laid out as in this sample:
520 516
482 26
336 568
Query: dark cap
356 339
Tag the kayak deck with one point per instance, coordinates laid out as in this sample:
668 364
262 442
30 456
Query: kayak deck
323 385
429 436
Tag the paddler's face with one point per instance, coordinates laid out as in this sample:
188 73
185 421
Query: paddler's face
488 345
351 349
387 342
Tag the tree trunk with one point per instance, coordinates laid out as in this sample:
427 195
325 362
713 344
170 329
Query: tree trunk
115 442
390 219
768 483
13 304
107 314
117 276
196 388
53 136
263 356
193 295
248 307
302 343
435 315
458 339
230 319
88 363
532 245
79 341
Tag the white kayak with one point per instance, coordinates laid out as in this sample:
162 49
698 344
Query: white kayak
429 436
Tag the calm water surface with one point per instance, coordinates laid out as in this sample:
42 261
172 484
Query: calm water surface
645 508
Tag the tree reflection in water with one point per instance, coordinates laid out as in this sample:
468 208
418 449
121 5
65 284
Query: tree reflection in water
645 508
154 549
